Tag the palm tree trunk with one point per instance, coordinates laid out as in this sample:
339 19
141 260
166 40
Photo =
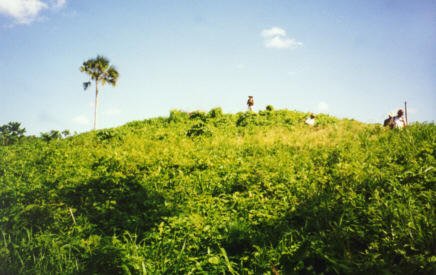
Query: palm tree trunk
96 104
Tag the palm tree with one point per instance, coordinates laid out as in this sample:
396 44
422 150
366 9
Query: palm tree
99 70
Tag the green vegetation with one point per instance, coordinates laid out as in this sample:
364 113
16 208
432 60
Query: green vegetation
214 193
11 133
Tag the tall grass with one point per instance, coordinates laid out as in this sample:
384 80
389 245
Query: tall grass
219 193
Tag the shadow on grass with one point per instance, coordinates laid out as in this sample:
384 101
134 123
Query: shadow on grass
116 205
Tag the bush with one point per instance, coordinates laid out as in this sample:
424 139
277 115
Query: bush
198 115
195 197
270 108
11 133
199 129
215 113
52 135
177 116
109 134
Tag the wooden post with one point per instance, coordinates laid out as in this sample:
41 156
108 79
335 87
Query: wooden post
405 111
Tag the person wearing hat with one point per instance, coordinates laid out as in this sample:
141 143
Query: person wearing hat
390 120
250 103
310 120
399 121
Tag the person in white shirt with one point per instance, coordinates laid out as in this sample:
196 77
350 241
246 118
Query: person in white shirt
310 120
399 121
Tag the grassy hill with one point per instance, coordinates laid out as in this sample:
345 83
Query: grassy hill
214 193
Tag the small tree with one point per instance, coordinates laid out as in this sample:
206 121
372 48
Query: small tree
52 135
99 70
11 133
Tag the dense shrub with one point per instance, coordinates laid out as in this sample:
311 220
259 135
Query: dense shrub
11 133
270 108
177 116
221 193
109 134
197 115
215 113
199 129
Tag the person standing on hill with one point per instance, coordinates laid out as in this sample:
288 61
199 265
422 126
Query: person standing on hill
310 120
399 121
250 103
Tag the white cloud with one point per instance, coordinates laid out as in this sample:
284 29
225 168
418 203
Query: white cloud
282 43
276 38
82 120
273 32
27 11
322 106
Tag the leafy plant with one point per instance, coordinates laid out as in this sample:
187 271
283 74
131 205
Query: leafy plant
199 129
11 133
221 193
52 135
109 134
215 112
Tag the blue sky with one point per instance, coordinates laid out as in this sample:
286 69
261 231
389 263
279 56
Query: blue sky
350 59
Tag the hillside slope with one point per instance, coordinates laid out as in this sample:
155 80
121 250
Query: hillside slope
209 193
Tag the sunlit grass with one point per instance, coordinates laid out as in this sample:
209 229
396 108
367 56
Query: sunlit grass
219 193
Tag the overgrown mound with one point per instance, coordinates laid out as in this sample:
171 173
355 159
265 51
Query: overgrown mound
209 193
